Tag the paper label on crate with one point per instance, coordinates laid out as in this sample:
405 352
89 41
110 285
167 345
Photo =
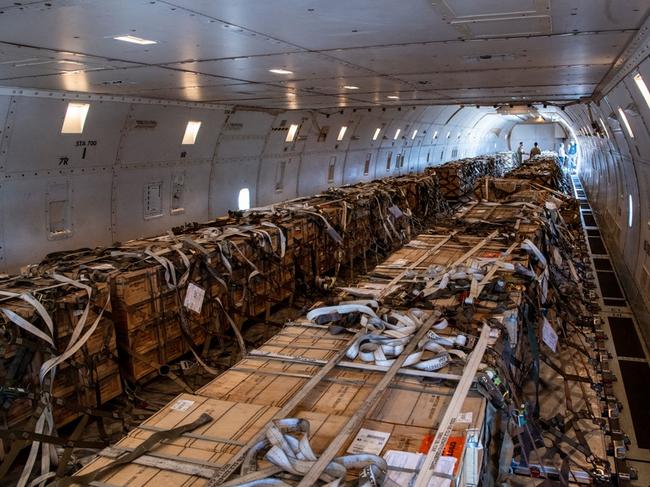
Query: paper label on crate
369 441
549 336
182 405
194 297
464 417
404 466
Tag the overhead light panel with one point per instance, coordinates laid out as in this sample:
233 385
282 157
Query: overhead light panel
392 97
350 87
191 132
435 134
342 133
625 122
280 71
291 134
397 134
643 88
448 134
135 40
376 134
75 118
415 132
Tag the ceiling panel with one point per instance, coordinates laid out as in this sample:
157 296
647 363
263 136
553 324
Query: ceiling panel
18 62
118 81
88 26
424 51
493 53
314 24
337 85
506 77
304 65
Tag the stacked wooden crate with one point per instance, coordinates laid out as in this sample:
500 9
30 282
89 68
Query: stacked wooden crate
542 170
471 270
89 378
244 264
457 178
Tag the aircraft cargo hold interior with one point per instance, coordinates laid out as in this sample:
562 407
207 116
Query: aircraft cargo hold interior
307 243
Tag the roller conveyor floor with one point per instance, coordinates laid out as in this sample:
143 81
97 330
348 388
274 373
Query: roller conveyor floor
630 358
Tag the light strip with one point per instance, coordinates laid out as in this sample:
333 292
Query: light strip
415 132
638 79
75 118
604 127
627 124
291 134
280 71
397 134
191 132
377 131
135 40
342 133
630 211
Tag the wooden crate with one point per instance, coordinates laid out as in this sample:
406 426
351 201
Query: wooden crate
88 379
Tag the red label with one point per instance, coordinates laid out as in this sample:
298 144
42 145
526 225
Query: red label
426 443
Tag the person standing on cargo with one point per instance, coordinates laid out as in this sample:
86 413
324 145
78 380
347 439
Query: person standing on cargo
535 151
562 155
519 154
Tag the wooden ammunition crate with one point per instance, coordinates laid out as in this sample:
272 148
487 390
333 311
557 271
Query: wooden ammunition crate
87 379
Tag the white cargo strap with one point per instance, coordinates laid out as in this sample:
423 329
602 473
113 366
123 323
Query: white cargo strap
287 448
385 341
45 422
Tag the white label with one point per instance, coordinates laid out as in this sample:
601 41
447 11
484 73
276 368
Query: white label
464 417
194 297
369 441
404 466
182 405
549 336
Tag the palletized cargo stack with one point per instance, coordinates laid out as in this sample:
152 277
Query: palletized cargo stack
88 378
462 281
544 171
457 178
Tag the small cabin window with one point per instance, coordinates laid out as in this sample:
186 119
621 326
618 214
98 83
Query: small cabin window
388 161
244 199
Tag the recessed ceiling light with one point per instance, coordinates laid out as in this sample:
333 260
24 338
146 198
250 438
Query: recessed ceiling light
135 40
350 87
392 97
280 71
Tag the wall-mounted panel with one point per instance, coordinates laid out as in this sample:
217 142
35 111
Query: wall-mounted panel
155 133
50 214
146 201
36 143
